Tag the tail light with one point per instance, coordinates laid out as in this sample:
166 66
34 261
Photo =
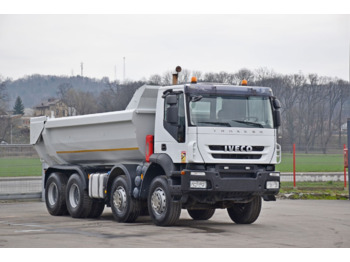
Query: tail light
149 146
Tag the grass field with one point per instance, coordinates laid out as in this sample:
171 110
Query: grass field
14 167
312 163
315 190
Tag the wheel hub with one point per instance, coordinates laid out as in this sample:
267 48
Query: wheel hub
158 201
119 199
52 194
74 196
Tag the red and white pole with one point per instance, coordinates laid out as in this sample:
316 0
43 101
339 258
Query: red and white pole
345 163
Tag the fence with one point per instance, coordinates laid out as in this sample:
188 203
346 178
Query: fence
14 150
334 148
20 172
21 188
311 163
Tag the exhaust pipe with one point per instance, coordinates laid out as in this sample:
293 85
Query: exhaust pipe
176 75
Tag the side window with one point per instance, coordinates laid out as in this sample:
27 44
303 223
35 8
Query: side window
176 130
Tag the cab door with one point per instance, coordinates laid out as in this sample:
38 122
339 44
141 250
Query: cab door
170 131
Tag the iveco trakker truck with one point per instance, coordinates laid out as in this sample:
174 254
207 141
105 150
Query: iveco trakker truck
197 146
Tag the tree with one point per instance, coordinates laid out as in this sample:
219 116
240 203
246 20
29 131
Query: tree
3 96
244 73
78 101
155 80
19 107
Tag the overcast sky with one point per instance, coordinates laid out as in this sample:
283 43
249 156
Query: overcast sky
57 44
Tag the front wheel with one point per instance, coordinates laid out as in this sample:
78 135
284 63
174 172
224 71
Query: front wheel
245 213
162 209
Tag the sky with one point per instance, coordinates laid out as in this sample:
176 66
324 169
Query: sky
156 43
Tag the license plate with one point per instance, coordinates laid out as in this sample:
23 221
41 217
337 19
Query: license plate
198 184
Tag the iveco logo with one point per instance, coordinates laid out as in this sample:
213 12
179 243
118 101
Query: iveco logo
238 148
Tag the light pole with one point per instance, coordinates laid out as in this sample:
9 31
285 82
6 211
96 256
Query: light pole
11 132
348 127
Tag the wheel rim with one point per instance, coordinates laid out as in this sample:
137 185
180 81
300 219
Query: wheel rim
158 201
74 195
52 194
119 199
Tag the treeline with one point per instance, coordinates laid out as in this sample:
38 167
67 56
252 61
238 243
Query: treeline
35 88
313 108
113 97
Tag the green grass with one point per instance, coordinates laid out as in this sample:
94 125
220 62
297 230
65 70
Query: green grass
315 190
312 163
332 185
15 167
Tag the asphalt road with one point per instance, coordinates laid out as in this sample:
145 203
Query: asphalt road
285 223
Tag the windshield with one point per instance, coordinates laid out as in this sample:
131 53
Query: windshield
231 111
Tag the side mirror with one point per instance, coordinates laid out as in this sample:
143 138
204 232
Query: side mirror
172 115
276 103
277 118
171 99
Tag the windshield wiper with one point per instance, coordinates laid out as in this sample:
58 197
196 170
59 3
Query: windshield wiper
217 123
249 123
196 98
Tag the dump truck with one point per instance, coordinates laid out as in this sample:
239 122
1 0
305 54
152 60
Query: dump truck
195 146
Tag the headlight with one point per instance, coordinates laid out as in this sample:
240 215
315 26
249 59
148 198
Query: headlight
197 173
275 174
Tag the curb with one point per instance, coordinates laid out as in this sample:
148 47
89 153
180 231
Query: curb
20 196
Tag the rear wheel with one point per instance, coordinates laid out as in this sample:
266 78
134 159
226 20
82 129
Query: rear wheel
201 214
245 213
162 209
79 204
55 194
124 207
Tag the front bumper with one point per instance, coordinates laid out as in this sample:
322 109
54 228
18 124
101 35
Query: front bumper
231 179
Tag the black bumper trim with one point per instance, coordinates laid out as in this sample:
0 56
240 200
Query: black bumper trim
230 184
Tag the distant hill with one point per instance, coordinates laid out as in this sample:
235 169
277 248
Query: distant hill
35 88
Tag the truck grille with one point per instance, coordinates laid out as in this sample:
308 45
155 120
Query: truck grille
237 171
222 148
236 156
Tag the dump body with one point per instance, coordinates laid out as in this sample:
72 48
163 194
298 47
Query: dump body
98 139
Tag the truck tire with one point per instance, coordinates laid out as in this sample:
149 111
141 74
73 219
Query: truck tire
124 207
201 214
55 194
96 209
245 213
79 203
162 209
